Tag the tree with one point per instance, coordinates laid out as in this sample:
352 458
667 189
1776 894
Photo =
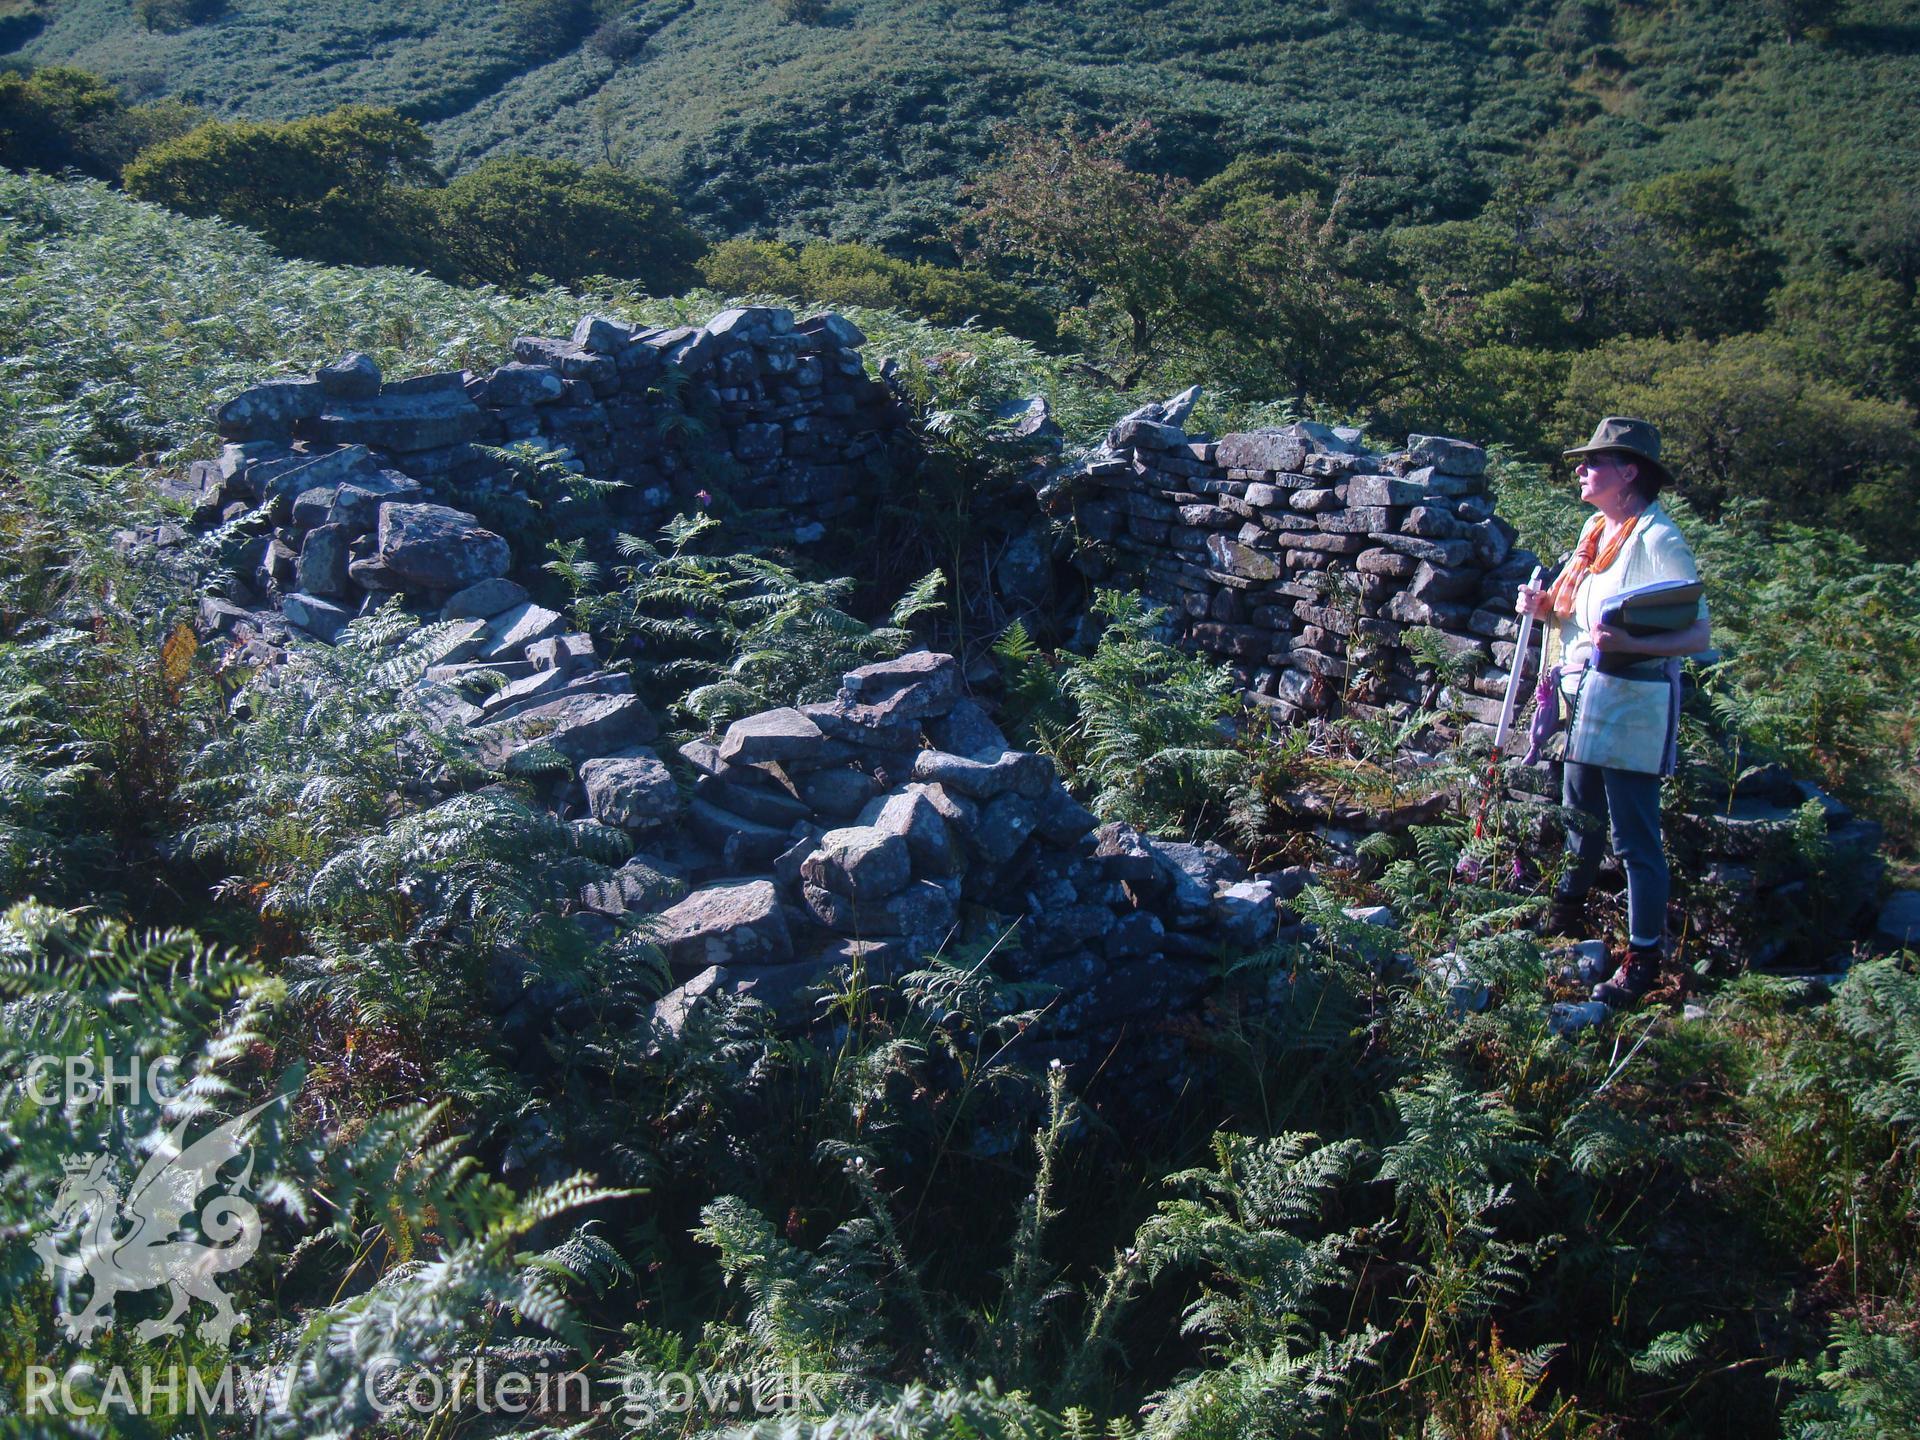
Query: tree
544 28
1471 256
1288 307
508 220
753 267
60 118
1113 240
1889 239
1674 254
171 15
1793 18
338 187
1858 329
1700 218
620 39
1740 419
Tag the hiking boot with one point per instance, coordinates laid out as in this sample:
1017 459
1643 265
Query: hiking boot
1637 974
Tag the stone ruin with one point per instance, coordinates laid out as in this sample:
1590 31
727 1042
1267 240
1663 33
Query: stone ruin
1302 559
893 820
359 474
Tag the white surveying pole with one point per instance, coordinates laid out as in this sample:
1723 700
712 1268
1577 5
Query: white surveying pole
1513 680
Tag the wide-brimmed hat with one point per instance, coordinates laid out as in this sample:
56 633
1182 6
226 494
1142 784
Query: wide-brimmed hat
1623 435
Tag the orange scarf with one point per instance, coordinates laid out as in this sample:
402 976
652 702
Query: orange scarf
1589 557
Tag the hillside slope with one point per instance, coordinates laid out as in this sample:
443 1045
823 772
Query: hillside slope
865 124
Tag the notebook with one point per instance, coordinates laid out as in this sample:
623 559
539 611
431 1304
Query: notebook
1656 609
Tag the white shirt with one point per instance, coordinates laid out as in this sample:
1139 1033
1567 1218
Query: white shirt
1655 551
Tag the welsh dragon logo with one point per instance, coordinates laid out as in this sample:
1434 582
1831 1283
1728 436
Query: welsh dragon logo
129 1243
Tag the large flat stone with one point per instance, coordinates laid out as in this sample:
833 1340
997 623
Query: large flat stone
771 736
357 500
730 924
580 727
402 423
862 862
1382 490
320 618
1015 770
1260 450
922 910
918 686
483 600
1446 455
631 791
308 469
439 548
270 409
1450 553
513 631
1241 560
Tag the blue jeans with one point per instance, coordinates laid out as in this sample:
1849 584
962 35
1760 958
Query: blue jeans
1629 804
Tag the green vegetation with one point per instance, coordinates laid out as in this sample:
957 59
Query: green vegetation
335 188
354 186
848 274
1698 214
863 127
717 637
1377 1210
59 119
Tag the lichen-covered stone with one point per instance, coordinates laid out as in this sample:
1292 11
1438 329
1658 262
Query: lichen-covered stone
580 727
439 548
738 923
484 600
862 862
771 736
1016 771
916 686
632 791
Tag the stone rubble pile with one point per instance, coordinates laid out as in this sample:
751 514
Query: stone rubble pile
1302 559
894 822
367 484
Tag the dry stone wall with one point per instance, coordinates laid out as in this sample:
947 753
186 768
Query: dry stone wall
883 826
886 825
1303 559
893 820
370 486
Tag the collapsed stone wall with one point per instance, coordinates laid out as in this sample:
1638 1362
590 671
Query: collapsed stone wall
1305 560
894 819
882 826
357 474
894 822
1302 559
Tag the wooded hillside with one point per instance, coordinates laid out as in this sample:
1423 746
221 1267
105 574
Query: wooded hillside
860 120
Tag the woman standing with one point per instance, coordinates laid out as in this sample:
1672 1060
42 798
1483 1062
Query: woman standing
1629 542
